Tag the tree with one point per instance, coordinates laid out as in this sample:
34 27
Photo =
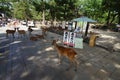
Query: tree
92 9
112 6
5 7
52 9
40 6
23 10
66 9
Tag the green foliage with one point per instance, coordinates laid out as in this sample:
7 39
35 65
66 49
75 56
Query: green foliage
66 9
62 9
5 8
92 9
112 6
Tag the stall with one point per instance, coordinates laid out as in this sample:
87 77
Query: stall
81 28
84 23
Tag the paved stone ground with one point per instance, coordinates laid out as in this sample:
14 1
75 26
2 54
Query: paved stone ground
108 39
37 60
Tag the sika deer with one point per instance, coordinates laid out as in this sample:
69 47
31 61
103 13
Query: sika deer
21 32
69 53
30 30
40 36
33 38
10 32
44 31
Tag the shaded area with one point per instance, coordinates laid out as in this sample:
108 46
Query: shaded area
28 60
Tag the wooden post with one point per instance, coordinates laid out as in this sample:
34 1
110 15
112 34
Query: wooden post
86 31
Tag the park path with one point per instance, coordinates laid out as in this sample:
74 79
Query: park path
37 60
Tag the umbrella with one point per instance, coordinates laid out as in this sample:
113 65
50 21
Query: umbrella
84 19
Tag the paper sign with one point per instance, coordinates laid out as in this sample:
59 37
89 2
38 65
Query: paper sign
78 43
69 27
66 37
73 25
71 39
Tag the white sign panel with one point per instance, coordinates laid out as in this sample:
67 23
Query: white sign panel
73 25
71 39
78 43
69 27
66 37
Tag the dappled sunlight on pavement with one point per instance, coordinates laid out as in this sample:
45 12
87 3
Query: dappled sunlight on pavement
38 60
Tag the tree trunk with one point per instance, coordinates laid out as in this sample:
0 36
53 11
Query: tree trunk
113 18
86 31
118 17
65 12
43 23
108 18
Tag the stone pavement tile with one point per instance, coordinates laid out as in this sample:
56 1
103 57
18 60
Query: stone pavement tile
82 59
100 52
101 75
94 67
102 62
115 56
95 73
3 66
116 74
81 76
94 58
83 55
94 50
93 55
95 62
89 68
105 64
52 73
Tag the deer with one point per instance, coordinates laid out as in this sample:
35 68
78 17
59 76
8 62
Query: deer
40 36
69 53
44 31
21 32
33 38
10 32
30 30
